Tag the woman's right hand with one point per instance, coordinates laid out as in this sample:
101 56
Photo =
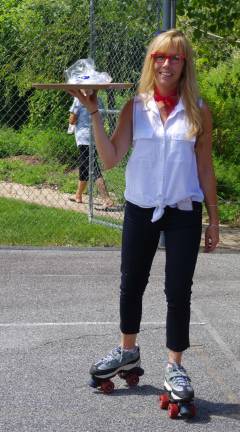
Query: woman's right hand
89 100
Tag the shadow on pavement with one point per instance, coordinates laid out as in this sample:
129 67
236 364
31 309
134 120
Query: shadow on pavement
205 409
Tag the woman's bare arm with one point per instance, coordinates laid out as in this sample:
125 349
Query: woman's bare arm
207 179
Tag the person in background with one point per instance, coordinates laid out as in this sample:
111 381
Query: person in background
80 118
168 176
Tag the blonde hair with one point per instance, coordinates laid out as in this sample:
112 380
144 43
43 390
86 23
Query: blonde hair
187 88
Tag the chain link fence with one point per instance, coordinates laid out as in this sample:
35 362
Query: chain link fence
39 39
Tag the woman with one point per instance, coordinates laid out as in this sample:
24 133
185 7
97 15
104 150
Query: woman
168 175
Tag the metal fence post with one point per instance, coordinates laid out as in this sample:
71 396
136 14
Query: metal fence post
173 13
169 14
91 140
159 7
166 8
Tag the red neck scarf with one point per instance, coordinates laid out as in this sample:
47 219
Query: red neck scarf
169 101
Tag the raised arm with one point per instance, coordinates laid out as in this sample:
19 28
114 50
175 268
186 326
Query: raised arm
207 179
111 150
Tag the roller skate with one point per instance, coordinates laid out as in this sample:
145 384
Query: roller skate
124 363
179 396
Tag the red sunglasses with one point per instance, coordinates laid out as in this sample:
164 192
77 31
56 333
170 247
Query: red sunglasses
161 57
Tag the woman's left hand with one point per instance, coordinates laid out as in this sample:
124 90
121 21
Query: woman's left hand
211 238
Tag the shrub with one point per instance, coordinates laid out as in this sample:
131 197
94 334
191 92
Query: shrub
9 143
49 109
228 179
220 87
50 145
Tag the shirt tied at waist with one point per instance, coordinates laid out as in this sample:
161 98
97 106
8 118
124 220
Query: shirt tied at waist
157 213
185 204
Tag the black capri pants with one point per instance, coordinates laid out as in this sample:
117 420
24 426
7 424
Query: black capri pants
83 161
140 240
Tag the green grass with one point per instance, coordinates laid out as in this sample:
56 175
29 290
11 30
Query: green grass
228 179
55 174
49 174
229 214
65 180
30 224
115 180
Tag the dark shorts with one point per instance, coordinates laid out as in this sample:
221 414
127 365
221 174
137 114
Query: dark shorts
83 160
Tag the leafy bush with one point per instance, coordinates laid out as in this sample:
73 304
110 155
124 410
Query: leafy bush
230 214
50 145
9 143
220 87
228 179
49 109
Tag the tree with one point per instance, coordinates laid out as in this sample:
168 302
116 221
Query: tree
214 28
216 16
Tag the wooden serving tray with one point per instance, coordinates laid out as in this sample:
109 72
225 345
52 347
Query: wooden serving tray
64 86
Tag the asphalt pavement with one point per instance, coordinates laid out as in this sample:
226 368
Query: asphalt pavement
59 313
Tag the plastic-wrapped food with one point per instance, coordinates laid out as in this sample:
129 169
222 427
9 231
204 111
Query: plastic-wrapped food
83 72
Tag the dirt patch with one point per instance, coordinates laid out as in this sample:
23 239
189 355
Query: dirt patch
30 160
50 196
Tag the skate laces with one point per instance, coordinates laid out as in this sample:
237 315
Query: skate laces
179 376
112 355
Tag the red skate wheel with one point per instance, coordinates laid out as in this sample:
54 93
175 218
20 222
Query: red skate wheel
132 380
107 387
164 401
173 410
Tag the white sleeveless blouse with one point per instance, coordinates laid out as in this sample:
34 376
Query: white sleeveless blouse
162 169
